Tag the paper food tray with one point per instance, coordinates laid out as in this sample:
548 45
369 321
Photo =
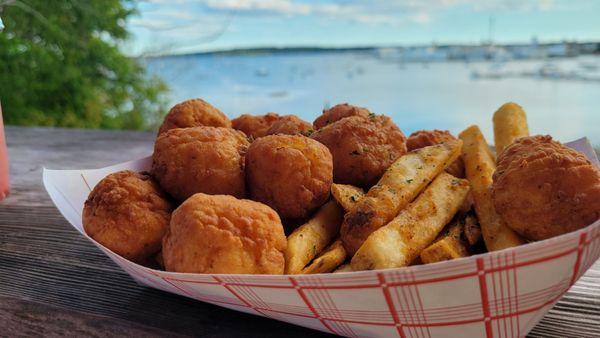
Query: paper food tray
498 294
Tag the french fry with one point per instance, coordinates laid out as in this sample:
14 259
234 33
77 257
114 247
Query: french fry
399 242
309 239
332 257
399 185
344 268
479 168
346 195
448 246
510 123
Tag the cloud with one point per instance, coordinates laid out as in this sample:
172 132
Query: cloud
274 6
165 19
372 11
195 22
375 12
422 18
374 19
163 28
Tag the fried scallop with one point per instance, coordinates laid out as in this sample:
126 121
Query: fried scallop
425 138
128 213
194 113
339 112
201 159
362 148
544 189
290 125
223 234
290 173
254 126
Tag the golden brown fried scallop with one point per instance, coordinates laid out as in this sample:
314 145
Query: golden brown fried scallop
425 138
194 113
339 112
543 189
201 159
290 125
254 126
128 213
362 148
290 173
222 234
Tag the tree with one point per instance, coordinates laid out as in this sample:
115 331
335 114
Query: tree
61 65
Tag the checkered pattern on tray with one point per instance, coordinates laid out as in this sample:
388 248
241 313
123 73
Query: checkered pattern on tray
500 294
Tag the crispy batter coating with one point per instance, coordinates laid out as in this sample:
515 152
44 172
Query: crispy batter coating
362 148
339 112
128 213
290 173
254 126
194 113
222 234
290 125
201 159
544 189
425 138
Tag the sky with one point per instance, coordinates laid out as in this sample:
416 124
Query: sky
186 26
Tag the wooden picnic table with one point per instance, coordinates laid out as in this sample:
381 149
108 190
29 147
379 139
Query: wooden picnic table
53 282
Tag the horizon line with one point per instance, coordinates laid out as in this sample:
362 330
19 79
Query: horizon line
324 48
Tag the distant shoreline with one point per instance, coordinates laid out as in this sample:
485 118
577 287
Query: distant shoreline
593 46
272 50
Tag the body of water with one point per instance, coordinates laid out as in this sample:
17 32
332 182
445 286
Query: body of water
442 95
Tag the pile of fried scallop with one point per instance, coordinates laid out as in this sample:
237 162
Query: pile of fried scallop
274 194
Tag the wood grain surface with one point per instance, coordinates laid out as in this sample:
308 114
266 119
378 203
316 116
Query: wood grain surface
55 283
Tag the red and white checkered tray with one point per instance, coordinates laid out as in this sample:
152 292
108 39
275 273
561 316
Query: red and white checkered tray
498 294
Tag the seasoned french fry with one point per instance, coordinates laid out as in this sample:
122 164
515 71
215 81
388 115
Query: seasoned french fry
328 260
398 186
399 242
448 246
344 268
479 168
510 123
309 239
346 195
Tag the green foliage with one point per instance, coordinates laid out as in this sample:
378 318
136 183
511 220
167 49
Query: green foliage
60 65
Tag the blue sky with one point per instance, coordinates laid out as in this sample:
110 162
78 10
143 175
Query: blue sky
179 26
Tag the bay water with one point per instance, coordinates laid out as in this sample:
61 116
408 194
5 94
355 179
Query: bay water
442 95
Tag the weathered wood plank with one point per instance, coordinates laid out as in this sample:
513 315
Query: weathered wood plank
43 259
20 318
31 149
